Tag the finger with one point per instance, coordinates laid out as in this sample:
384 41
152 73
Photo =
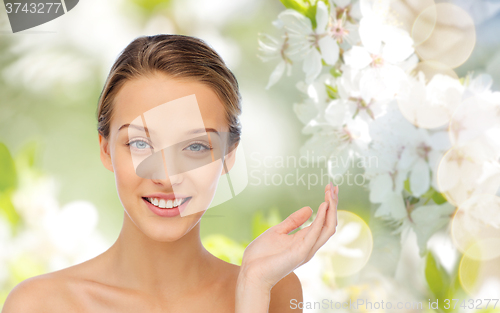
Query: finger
305 230
330 225
294 220
327 187
331 198
315 228
331 218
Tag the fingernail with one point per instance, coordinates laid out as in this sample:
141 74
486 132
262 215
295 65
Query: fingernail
331 189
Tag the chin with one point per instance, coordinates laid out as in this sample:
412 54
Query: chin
172 231
166 235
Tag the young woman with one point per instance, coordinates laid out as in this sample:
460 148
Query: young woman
158 263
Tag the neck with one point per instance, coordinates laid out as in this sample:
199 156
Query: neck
175 267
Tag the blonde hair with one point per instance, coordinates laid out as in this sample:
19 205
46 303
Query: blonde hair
177 56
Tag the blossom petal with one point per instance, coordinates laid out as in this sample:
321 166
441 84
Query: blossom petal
370 33
276 74
295 22
355 11
440 141
429 219
393 207
357 57
420 178
335 113
342 3
407 158
305 111
329 49
339 162
398 44
382 83
312 65
434 159
321 17
380 187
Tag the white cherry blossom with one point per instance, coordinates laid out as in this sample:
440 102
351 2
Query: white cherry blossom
271 49
417 135
352 102
430 105
304 41
421 157
383 48
390 137
425 221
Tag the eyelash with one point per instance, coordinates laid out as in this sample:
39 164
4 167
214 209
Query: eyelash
139 140
207 147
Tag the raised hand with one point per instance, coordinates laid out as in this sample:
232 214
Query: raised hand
276 252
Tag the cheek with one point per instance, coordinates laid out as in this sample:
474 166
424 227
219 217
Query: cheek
203 182
125 176
208 177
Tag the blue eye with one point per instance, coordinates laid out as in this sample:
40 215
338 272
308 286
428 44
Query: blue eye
140 145
198 147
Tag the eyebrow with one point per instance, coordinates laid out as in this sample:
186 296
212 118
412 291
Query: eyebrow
134 126
202 130
194 131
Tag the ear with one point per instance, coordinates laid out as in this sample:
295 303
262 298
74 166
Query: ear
230 158
105 155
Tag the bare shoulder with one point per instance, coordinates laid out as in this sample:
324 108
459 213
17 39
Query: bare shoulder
53 292
36 294
224 269
286 292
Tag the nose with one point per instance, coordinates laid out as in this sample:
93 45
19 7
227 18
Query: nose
166 182
159 174
153 167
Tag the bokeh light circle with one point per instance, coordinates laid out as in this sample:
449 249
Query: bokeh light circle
431 68
475 228
475 117
429 98
466 170
444 33
349 249
475 274
406 12
424 24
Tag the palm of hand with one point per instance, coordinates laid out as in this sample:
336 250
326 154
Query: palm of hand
276 253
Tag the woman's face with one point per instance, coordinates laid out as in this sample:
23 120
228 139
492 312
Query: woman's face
147 101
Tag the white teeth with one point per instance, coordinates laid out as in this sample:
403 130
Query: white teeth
165 204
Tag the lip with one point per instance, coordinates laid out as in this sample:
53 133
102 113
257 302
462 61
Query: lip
166 212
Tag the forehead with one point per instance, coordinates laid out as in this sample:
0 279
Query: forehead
142 94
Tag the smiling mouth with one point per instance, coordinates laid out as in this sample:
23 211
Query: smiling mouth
166 204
